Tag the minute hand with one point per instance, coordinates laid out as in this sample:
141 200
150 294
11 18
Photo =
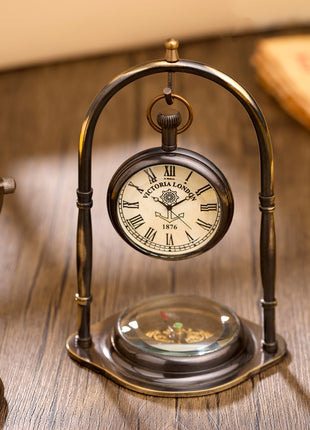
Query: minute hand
181 201
178 217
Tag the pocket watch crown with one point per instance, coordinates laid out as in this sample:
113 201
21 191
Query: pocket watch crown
168 121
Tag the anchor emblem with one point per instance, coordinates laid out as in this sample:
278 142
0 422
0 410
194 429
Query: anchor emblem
169 199
169 218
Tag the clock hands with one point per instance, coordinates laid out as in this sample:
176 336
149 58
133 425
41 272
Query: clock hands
170 211
179 217
157 200
181 201
169 207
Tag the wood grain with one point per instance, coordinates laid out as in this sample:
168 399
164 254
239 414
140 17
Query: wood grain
41 112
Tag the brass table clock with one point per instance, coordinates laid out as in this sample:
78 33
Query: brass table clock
173 203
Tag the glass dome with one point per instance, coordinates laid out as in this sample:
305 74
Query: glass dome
177 325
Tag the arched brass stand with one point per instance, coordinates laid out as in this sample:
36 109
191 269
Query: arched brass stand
82 346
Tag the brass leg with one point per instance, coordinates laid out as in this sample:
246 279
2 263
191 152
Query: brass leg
84 266
268 263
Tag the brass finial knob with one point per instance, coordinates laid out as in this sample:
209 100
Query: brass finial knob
171 46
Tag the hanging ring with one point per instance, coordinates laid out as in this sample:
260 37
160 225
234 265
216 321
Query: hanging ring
174 96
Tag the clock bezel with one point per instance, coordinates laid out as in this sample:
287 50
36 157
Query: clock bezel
184 158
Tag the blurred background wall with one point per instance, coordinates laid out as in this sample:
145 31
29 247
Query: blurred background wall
36 31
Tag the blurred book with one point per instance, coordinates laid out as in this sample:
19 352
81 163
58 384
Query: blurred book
283 67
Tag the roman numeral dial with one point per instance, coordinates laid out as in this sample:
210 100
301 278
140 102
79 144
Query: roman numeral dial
131 184
132 205
150 234
136 221
150 175
203 224
169 171
203 189
208 207
169 210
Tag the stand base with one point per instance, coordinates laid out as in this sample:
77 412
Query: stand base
153 375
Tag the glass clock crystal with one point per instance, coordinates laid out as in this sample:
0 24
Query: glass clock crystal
173 203
170 205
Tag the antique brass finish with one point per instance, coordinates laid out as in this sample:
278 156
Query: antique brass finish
173 96
178 359
101 358
183 158
168 375
172 55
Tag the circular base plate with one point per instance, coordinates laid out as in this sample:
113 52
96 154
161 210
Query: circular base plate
162 347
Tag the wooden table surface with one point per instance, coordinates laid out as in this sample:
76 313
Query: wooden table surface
41 113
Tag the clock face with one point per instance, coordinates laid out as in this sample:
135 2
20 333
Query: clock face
171 210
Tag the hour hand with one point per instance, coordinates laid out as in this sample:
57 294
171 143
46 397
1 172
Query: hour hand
156 199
